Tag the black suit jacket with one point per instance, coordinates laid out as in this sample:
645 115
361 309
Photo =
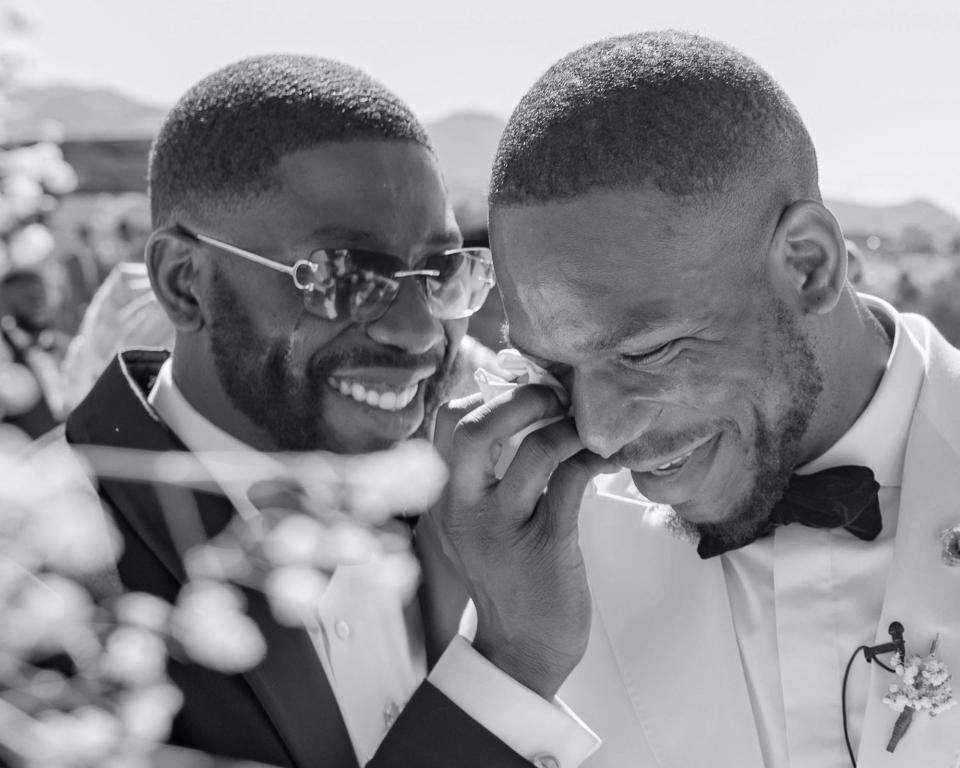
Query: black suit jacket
283 712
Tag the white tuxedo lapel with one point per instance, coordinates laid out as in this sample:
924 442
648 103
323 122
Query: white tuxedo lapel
662 648
923 593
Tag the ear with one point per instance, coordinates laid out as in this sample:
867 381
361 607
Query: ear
809 252
170 258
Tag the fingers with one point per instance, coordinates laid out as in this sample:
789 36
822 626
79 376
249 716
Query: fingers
448 416
540 453
569 481
479 433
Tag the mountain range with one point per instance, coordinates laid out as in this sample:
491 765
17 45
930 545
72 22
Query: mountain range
83 113
106 137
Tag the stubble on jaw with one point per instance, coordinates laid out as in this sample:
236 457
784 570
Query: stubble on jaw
777 444
259 380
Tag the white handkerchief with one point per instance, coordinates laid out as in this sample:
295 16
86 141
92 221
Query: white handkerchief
520 371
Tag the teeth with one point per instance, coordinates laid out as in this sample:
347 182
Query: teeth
674 463
388 400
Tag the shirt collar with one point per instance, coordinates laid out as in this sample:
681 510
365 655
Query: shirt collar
878 437
219 452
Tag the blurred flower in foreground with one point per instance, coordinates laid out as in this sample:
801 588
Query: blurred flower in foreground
41 614
139 609
294 592
209 622
374 486
148 712
135 656
83 678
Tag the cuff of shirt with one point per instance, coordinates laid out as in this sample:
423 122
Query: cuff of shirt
526 722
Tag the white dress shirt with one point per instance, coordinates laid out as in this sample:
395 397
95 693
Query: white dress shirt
373 663
794 656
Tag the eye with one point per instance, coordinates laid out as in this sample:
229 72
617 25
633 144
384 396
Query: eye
650 357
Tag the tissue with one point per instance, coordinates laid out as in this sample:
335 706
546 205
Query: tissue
517 370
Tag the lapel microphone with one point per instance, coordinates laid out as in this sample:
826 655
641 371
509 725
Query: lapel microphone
896 643
870 653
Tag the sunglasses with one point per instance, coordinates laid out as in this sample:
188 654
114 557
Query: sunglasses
359 286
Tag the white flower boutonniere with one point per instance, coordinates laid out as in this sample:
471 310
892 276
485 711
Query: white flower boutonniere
925 688
950 539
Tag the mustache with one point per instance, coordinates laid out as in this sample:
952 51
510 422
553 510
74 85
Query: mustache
655 446
324 363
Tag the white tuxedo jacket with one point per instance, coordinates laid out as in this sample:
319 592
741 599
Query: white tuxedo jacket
661 681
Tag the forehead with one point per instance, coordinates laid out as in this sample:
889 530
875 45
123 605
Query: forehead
388 194
617 260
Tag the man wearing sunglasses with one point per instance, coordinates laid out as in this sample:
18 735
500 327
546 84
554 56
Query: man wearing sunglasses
663 251
305 250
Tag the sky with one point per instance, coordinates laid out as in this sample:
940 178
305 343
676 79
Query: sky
875 80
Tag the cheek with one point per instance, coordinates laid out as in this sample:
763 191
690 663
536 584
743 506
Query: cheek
704 377
721 384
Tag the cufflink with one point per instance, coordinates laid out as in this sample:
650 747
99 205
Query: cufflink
390 714
544 760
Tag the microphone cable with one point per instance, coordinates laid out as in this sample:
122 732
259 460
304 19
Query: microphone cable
870 654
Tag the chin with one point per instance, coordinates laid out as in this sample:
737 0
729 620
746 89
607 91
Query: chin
356 440
369 444
736 521
698 514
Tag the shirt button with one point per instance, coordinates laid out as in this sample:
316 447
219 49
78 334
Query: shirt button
546 761
390 714
342 629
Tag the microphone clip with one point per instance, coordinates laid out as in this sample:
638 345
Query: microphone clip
896 644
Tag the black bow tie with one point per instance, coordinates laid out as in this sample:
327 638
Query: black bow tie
841 497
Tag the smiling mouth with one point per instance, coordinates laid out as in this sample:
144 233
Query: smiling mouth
376 394
677 462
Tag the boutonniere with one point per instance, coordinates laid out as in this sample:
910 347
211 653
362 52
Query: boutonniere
925 687
950 539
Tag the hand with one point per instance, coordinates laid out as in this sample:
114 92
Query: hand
516 539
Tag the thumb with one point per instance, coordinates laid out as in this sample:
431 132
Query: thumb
448 416
565 490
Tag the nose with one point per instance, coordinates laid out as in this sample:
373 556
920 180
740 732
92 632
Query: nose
607 417
408 323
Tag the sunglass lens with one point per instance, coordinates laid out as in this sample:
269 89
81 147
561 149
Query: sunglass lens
465 279
350 284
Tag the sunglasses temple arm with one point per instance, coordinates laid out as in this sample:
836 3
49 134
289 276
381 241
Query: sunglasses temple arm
248 255
417 273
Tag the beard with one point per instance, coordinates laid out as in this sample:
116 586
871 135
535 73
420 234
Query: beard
259 379
776 442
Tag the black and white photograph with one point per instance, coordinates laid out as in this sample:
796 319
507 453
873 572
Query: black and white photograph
410 384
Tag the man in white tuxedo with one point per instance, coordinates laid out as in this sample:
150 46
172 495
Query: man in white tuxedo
663 250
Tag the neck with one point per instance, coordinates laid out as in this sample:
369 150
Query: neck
857 348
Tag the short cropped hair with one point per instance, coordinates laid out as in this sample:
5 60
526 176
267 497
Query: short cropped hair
683 113
223 140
